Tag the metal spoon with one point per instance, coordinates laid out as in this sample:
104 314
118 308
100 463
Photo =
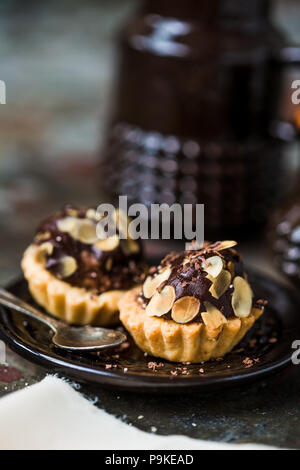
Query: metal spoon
85 338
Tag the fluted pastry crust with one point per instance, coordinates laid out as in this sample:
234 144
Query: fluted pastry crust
73 304
192 342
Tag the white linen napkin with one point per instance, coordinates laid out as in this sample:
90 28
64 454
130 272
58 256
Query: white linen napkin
52 415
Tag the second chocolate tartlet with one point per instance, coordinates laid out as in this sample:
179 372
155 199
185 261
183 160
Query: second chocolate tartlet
74 275
195 306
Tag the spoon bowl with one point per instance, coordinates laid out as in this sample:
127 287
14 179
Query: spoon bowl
87 338
81 338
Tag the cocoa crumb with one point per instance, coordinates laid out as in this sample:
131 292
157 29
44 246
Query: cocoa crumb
262 302
154 365
248 362
205 262
273 340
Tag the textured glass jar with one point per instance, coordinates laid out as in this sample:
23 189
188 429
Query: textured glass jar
196 97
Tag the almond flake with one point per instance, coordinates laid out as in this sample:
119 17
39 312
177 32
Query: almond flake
92 214
185 309
67 224
161 303
220 284
108 244
133 246
242 297
230 267
130 247
152 283
108 264
213 266
226 244
212 318
85 231
43 236
122 222
72 212
46 248
67 266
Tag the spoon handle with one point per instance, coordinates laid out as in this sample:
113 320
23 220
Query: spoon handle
11 301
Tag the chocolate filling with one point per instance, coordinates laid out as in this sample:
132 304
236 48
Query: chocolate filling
191 280
97 270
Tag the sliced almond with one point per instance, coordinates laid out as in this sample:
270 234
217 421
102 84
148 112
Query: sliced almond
67 224
152 283
108 264
242 297
130 247
42 236
213 266
226 244
122 221
108 244
46 248
220 284
85 231
133 246
230 267
161 302
72 212
212 318
67 266
185 309
93 215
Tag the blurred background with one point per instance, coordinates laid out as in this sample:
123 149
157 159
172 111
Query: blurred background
59 60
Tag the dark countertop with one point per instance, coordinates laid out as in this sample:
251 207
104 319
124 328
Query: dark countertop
265 412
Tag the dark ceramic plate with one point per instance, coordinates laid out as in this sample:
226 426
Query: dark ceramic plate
265 350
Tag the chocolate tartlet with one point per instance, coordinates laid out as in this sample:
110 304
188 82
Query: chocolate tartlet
76 276
195 306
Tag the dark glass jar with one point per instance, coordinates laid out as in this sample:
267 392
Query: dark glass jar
196 99
284 236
